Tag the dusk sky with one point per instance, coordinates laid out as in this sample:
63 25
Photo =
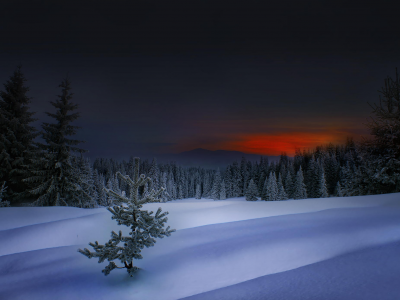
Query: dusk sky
170 76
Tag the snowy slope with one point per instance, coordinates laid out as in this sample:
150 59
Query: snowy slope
333 248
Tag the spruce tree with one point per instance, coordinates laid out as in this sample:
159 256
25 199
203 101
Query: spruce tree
181 183
145 227
300 191
264 195
272 188
228 182
216 189
289 187
84 173
98 181
222 194
382 152
2 191
109 185
171 186
164 195
323 190
198 191
281 189
237 181
313 178
54 176
207 185
154 174
17 146
261 183
331 170
338 190
251 191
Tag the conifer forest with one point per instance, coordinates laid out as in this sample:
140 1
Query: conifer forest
57 173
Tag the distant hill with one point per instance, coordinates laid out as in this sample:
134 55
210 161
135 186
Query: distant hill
208 158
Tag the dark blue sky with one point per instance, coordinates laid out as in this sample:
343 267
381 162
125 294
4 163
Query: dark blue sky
169 76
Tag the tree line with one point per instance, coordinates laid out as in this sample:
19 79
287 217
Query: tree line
57 173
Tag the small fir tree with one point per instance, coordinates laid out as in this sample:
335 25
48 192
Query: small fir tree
251 191
144 226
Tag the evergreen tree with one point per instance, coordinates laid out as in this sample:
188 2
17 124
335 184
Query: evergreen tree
2 191
251 192
144 226
171 187
98 181
228 182
237 181
207 185
192 186
84 173
154 174
331 171
222 194
382 153
164 195
17 147
289 187
244 175
300 191
264 193
261 184
313 178
115 184
198 191
281 190
181 184
338 190
272 188
216 189
55 179
347 177
323 190
110 185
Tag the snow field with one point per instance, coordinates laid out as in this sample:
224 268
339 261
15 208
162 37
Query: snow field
220 249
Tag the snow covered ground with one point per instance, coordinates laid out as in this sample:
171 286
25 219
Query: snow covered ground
333 248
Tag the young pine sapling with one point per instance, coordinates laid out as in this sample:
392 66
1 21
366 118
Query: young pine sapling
144 226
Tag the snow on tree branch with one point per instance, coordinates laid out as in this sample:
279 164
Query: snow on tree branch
145 226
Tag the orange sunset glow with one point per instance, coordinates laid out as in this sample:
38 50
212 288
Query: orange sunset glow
275 144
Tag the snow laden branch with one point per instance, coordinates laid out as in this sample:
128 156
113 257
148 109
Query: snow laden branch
145 227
